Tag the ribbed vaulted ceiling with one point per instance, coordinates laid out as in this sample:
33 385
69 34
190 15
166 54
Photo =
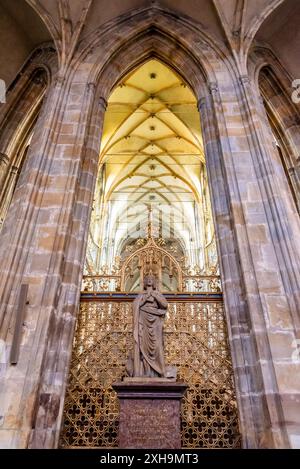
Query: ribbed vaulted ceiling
151 144
151 158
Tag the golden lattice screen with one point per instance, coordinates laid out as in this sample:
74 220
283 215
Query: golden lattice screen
195 341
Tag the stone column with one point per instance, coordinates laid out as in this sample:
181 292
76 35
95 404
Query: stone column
43 245
259 261
242 344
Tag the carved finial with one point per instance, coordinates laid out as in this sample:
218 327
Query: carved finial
150 222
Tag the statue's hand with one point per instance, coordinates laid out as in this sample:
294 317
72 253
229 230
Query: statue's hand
160 299
147 297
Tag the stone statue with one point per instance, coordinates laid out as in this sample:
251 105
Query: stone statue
149 310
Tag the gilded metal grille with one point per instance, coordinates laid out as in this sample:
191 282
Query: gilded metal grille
195 341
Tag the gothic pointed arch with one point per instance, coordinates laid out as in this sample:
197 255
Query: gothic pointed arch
41 11
44 244
164 38
273 84
18 118
258 22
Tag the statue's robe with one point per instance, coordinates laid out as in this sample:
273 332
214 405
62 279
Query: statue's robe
148 353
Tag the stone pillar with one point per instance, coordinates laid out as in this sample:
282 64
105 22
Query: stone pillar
149 413
259 262
45 231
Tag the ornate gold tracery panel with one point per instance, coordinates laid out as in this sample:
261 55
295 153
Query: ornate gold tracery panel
195 341
150 256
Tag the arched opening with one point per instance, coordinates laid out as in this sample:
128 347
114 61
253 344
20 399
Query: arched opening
27 74
152 171
284 120
17 128
22 30
151 214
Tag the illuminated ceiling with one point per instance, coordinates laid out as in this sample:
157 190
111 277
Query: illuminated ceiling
151 155
151 142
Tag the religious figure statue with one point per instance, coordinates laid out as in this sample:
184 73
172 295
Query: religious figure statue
149 310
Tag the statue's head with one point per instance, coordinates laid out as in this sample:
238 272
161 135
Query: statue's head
149 281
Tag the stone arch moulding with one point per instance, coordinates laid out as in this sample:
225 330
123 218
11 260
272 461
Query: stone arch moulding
256 25
47 20
20 98
182 47
19 115
209 74
153 42
282 112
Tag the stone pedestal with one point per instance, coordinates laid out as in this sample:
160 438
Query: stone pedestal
149 413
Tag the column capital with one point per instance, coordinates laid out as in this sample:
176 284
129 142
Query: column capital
91 87
103 102
244 79
14 170
213 87
201 103
59 79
